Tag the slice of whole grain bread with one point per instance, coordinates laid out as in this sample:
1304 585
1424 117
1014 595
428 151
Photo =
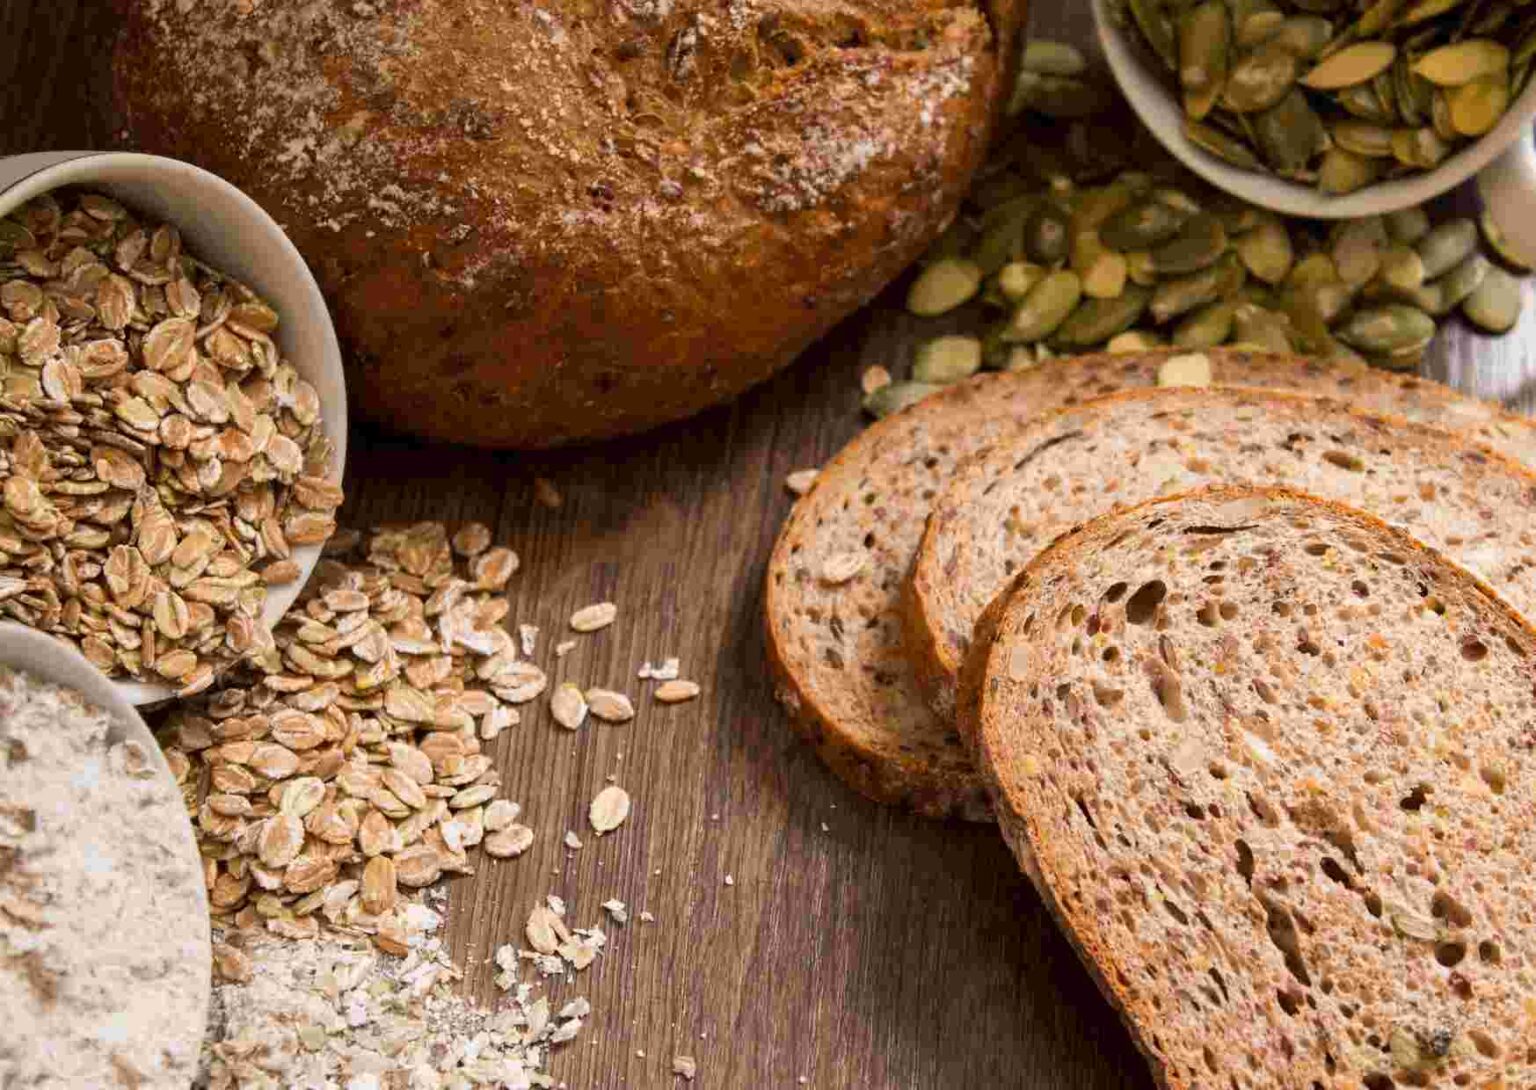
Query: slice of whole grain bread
1295 848
835 636
1009 502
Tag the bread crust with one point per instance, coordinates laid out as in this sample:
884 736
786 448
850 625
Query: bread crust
544 223
968 415
1006 767
938 662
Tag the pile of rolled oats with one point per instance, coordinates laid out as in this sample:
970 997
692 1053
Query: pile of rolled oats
159 458
343 764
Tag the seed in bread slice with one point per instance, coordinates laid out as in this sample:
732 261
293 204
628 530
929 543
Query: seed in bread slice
1295 849
834 583
1008 503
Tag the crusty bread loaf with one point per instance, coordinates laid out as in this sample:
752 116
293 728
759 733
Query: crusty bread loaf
1008 503
1295 847
835 643
544 222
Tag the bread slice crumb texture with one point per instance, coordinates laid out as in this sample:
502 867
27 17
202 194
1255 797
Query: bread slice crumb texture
835 579
1008 503
1295 847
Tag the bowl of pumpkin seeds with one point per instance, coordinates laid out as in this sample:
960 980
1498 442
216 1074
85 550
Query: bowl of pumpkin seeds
1332 109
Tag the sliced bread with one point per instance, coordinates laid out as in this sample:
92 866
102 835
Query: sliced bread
834 582
1009 502
1295 847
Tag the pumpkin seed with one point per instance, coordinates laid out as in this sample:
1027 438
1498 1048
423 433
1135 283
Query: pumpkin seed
1496 304
943 286
1266 252
1198 245
1178 200
1045 307
1049 58
1259 80
1183 294
1363 138
1408 226
1315 268
1105 276
1388 329
1462 62
897 396
1356 249
1046 234
1002 233
1262 328
1447 246
1207 327
1427 9
1158 30
1057 96
1440 118
1456 285
1420 148
1138 268
1306 36
1402 269
1016 278
947 359
1502 248
1211 139
1344 172
1254 28
1094 207
1204 43
1328 299
1134 340
1350 66
1142 225
1415 95
1097 320
1476 107
1363 102
1290 133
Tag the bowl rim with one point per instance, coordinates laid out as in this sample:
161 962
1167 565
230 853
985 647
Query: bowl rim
56 662
44 172
1160 113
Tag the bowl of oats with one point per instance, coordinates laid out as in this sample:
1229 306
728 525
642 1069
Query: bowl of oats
173 416
105 955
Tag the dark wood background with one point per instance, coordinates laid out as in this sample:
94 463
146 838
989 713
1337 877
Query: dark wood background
857 947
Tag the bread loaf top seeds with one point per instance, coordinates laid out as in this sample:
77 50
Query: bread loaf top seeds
1010 502
1295 848
835 642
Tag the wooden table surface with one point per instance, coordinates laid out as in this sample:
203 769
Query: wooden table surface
854 946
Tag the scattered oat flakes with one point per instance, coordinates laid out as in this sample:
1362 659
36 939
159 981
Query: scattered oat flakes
609 706
800 481
874 378
545 492
472 539
730 880
667 671
675 692
617 909
594 617
646 917
528 637
508 843
572 841
567 706
685 1066
609 809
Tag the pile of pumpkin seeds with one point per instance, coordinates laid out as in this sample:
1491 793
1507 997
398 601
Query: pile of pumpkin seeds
1339 93
1064 248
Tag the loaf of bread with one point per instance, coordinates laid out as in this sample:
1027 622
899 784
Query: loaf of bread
543 223
1004 506
834 592
1295 847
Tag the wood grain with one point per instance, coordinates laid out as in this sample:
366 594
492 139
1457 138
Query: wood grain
856 947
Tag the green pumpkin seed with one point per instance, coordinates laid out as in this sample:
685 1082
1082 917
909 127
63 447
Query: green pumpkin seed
1402 269
1097 320
1152 20
1408 226
1420 148
1415 95
1447 246
1476 107
1144 224
1327 299
1138 268
1502 248
897 396
1016 278
1356 249
1363 138
1105 276
1183 294
943 286
1047 234
947 359
1045 307
1095 206
1002 233
1350 66
1386 88
1427 9
1048 58
1207 327
1290 133
1259 80
1057 96
1264 329
1211 139
1305 36
1496 304
1344 172
1456 285
1134 340
1440 118
1266 252
1462 62
1376 19
1364 103
1315 268
1388 329
1525 50
1178 200
958 238
1204 44
1198 245
1256 28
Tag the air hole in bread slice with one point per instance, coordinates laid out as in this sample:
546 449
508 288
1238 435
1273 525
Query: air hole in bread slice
1142 606
1415 799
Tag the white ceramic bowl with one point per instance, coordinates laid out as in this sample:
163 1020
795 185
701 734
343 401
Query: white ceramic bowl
228 230
43 656
1505 156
